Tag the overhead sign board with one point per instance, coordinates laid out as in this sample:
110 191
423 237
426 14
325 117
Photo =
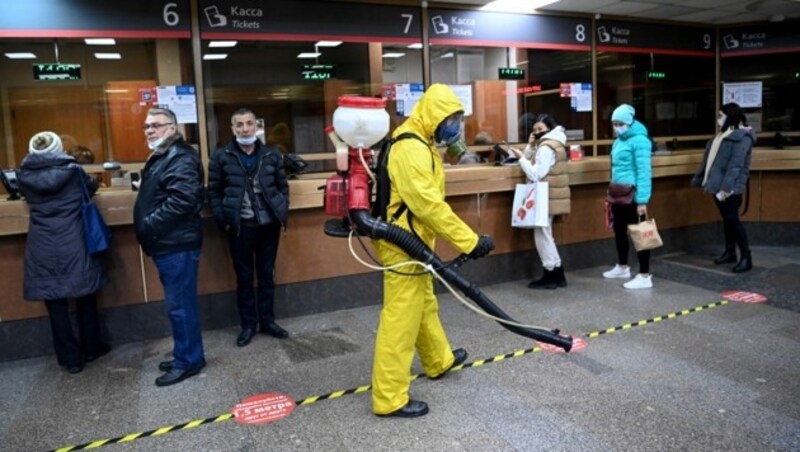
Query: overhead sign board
480 28
56 71
95 18
759 39
291 20
634 37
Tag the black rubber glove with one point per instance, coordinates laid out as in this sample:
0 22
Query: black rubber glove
484 246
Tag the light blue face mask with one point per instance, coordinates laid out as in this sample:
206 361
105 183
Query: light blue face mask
246 141
621 129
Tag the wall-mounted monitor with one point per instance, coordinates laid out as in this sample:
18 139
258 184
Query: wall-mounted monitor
56 71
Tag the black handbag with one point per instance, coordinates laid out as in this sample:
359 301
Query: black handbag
96 233
620 194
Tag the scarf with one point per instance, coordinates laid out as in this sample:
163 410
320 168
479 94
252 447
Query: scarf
712 153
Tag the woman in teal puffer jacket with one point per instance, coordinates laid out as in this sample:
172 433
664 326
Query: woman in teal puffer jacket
630 165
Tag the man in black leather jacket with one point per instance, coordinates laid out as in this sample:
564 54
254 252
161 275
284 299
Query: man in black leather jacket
249 196
168 226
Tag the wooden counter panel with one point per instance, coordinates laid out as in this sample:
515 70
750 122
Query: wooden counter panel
779 196
586 220
124 267
306 253
216 267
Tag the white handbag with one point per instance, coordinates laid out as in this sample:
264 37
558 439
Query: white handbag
530 208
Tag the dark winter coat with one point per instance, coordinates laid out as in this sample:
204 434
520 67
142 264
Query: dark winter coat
56 262
731 167
167 210
227 182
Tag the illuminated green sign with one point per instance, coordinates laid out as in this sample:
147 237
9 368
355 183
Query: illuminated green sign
658 75
511 73
56 71
318 71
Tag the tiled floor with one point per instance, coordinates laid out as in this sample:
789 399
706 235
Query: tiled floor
721 378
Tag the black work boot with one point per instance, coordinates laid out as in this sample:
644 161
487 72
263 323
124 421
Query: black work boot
547 281
744 264
558 276
728 257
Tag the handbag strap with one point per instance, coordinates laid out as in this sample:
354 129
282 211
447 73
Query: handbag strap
84 191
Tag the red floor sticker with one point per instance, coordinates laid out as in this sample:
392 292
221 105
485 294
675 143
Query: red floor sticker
578 344
263 408
741 296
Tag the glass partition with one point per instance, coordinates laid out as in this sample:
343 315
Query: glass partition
95 96
293 87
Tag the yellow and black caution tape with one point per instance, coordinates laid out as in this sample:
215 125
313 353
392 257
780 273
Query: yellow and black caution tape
305 401
655 319
337 394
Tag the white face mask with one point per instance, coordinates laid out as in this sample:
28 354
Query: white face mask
246 141
154 144
621 129
721 120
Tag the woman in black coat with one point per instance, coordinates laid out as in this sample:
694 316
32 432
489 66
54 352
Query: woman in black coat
723 174
57 266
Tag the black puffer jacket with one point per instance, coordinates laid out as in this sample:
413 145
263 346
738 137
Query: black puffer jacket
56 262
167 211
227 182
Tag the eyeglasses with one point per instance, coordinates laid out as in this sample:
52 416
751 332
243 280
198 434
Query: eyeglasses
155 125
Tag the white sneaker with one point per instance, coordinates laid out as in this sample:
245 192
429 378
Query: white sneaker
618 272
639 282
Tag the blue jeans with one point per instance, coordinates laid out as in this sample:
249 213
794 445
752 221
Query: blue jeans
178 275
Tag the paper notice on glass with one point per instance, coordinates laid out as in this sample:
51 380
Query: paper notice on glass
407 94
181 99
464 94
746 94
581 94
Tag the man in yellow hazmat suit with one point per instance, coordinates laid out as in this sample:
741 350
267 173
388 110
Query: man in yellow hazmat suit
410 316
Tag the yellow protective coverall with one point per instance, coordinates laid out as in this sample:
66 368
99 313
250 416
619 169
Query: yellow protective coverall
410 314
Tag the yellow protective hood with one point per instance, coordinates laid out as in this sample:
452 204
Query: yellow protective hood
418 178
438 102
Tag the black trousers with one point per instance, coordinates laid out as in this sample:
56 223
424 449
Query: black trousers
259 245
735 233
70 351
623 216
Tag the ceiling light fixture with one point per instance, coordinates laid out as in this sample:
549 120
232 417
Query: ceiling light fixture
328 43
108 56
309 55
222 43
100 41
20 56
393 55
415 46
215 56
516 6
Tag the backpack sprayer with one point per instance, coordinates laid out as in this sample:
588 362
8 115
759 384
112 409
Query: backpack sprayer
359 123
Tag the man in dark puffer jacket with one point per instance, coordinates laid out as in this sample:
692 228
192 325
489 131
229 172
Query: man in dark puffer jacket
168 226
249 196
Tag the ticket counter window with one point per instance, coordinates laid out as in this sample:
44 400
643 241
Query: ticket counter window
293 87
676 105
561 87
95 96
777 77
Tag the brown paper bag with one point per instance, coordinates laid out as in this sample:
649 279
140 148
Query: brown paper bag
645 235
